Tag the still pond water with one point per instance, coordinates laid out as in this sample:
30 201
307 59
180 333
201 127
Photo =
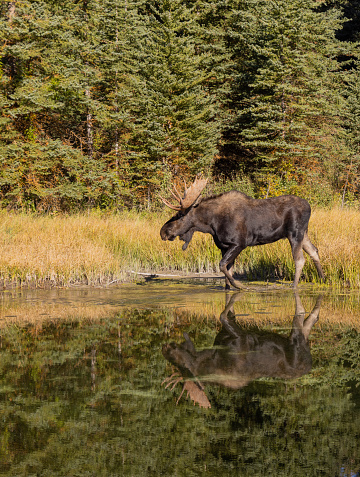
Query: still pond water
179 379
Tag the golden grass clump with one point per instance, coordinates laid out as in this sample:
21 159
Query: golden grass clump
337 235
55 249
97 249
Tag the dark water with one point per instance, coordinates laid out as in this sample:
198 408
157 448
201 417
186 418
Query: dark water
90 382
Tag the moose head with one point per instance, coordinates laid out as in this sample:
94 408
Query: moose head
183 225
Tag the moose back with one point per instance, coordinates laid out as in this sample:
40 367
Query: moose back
237 221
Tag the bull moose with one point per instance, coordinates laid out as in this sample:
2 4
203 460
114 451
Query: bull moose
240 356
237 221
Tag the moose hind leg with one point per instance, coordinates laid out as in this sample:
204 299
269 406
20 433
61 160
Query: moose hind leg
312 251
299 259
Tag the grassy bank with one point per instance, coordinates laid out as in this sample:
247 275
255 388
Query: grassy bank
98 249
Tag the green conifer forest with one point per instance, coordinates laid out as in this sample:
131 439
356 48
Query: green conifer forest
105 104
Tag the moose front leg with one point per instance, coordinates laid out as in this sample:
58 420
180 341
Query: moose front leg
226 265
229 268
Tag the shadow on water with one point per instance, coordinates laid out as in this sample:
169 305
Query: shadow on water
272 380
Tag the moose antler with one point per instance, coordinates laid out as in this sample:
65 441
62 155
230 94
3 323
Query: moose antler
189 197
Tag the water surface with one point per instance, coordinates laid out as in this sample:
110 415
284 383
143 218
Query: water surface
91 381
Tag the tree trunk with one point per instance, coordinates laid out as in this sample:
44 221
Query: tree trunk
89 128
11 11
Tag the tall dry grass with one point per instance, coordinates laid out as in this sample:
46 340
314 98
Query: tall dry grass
102 248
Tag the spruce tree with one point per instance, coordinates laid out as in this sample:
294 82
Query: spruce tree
50 100
119 30
348 172
287 95
176 128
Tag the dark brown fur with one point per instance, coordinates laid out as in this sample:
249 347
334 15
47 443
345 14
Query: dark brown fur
237 221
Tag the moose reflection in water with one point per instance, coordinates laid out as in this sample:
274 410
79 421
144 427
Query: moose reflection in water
239 356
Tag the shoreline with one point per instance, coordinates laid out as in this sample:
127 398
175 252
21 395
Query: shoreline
254 285
132 277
